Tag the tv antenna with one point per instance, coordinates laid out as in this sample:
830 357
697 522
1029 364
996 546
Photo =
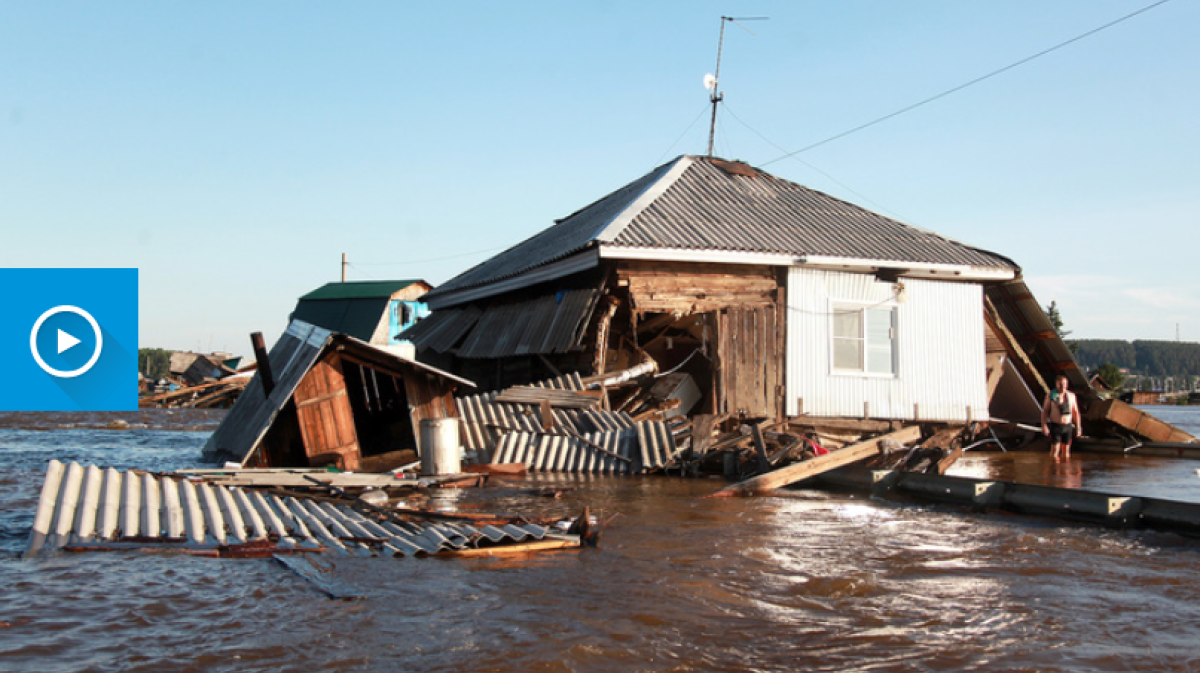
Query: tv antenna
712 82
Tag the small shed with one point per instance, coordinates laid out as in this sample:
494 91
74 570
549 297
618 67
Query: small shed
372 311
333 399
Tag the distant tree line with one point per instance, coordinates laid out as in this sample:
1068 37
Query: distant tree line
1144 358
154 363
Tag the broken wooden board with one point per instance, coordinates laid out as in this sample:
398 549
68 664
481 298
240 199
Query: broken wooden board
1136 421
791 474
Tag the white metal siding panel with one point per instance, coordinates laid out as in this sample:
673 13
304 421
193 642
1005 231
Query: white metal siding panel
941 368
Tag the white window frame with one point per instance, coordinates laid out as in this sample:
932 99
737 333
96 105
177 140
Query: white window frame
862 308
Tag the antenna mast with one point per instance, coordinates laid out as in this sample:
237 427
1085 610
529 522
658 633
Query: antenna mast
714 83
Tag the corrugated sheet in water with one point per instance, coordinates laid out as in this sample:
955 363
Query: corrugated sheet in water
81 505
485 421
645 446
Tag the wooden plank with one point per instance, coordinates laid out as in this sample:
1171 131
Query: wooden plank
810 468
852 424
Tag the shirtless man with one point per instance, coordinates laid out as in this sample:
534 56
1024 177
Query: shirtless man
1061 419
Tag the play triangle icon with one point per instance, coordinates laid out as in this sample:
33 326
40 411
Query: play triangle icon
65 341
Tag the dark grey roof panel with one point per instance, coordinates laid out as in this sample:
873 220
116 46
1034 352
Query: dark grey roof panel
709 209
567 236
442 330
552 323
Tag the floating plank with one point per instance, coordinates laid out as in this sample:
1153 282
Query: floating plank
810 468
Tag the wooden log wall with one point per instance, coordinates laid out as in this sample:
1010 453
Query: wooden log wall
682 288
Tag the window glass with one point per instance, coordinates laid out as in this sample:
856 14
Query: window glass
880 341
864 339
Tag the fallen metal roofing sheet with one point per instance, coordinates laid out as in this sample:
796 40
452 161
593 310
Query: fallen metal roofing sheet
92 507
641 448
485 421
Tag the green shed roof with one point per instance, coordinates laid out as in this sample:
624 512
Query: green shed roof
359 289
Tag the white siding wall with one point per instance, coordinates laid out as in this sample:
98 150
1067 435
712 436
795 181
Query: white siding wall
941 367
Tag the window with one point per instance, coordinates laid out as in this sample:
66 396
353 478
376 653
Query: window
864 339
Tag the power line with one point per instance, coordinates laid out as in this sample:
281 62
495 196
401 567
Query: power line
433 259
831 178
977 80
681 135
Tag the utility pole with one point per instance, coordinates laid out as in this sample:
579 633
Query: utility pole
343 267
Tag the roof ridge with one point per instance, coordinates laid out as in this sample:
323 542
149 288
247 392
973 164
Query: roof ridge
610 230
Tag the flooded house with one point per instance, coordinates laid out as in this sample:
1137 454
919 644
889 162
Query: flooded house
777 301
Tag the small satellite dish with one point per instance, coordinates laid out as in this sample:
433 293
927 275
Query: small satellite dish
710 82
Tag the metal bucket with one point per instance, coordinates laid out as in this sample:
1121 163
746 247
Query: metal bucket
440 450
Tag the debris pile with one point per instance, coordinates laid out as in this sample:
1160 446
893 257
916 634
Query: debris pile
558 425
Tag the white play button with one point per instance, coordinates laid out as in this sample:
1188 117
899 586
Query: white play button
65 341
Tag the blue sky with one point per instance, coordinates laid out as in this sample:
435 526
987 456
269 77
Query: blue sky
233 151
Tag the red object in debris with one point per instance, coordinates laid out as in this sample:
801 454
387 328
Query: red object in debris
818 450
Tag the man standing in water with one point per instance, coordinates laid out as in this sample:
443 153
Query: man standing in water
1061 419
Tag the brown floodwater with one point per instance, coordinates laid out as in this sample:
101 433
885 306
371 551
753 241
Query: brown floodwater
804 581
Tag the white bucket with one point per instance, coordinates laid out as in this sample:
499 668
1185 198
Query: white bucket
440 451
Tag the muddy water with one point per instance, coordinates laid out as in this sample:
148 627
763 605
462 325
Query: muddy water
809 581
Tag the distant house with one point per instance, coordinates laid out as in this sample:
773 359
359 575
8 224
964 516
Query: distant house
372 311
778 300
197 368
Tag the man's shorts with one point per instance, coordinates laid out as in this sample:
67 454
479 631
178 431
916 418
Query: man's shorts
1061 434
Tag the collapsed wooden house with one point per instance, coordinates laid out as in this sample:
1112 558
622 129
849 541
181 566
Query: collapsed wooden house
776 300
329 398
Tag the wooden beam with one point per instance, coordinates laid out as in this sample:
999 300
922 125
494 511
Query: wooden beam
855 424
810 468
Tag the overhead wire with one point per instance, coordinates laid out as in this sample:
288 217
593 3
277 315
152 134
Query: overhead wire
681 135
977 80
812 167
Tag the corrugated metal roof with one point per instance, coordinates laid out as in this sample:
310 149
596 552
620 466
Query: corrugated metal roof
551 323
443 330
567 236
357 317
89 506
690 204
708 208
